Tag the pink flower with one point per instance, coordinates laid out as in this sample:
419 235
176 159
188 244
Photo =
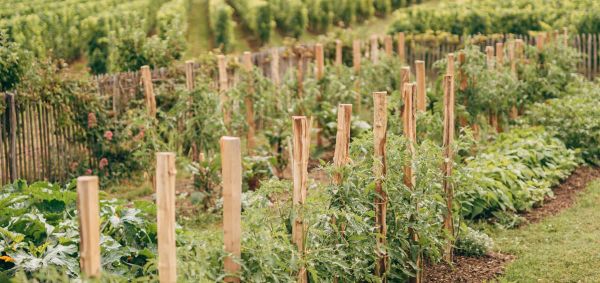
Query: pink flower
108 135
88 172
103 163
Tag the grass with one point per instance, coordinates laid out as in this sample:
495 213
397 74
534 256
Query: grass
562 248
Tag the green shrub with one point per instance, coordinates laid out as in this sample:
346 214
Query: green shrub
471 242
13 63
221 24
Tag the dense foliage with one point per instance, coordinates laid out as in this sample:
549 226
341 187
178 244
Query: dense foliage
510 16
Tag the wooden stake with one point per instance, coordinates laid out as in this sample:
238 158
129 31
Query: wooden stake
342 139
379 170
421 86
519 49
514 112
88 207
388 45
319 58
275 67
374 49
300 75
148 91
223 88
249 102
301 146
356 55
409 129
165 210
231 166
401 50
189 75
540 41
489 51
404 79
12 135
448 140
500 53
338 52
450 67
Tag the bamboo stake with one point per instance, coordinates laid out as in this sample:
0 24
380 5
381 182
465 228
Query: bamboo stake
388 45
249 102
421 86
342 139
356 55
189 75
301 144
338 52
231 166
450 67
409 129
374 49
320 60
275 66
401 49
89 225
379 170
448 140
539 41
148 90
165 208
223 88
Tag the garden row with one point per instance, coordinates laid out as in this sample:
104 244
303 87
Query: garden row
511 172
114 35
291 18
489 16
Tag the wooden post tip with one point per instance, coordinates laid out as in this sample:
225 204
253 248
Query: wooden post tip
229 139
161 154
87 179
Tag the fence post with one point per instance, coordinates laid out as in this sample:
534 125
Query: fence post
12 135
165 209
374 49
448 140
223 88
379 170
249 102
319 58
300 154
148 90
89 225
514 112
338 52
450 67
231 166
275 66
500 53
489 52
342 139
409 130
421 85
539 41
189 75
388 45
401 49
356 55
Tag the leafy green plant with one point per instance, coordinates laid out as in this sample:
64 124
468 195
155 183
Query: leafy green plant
471 242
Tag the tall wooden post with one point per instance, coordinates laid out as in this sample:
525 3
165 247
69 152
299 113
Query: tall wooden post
275 66
12 135
379 170
409 129
448 140
401 50
374 49
249 102
389 45
165 210
338 52
342 139
319 56
88 207
514 112
489 52
450 66
540 41
500 54
189 75
356 55
300 153
231 166
421 86
223 88
148 90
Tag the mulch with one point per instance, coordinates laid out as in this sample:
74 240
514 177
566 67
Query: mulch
486 268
